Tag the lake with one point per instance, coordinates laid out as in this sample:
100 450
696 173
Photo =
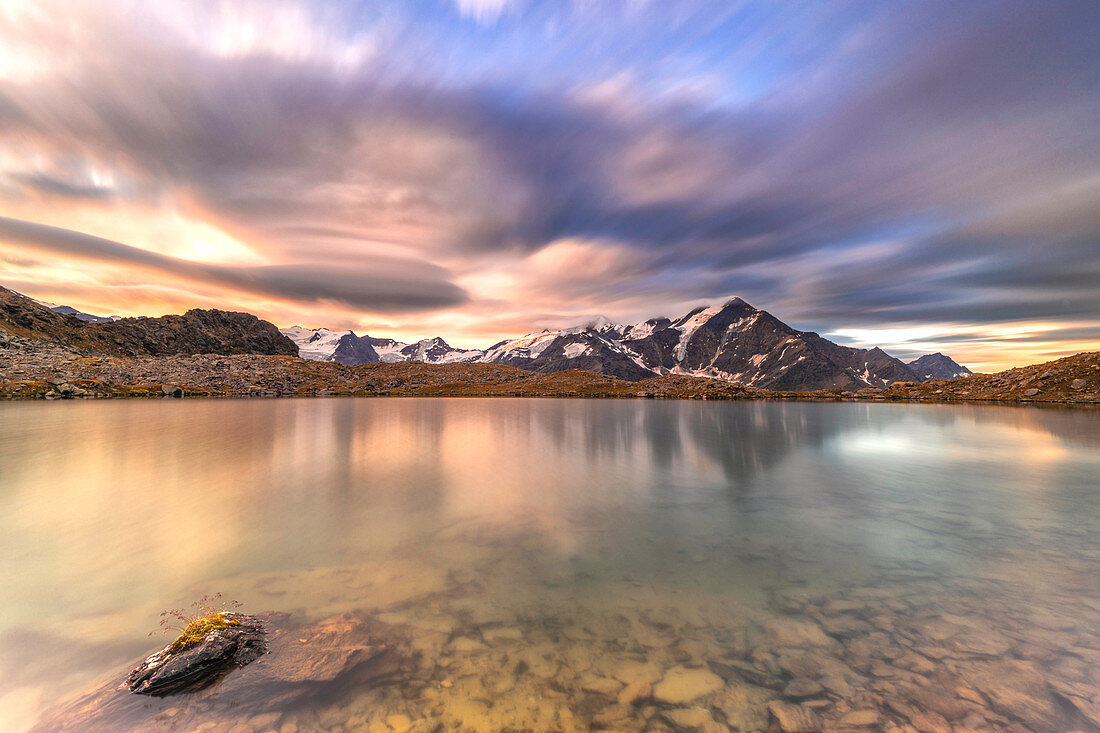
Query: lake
562 564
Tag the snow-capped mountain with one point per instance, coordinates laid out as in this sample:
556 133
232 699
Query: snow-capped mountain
437 351
938 366
731 341
596 348
344 347
321 344
431 351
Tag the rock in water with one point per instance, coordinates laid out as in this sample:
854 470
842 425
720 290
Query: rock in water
302 661
222 650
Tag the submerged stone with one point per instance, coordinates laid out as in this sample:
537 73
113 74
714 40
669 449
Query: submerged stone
683 685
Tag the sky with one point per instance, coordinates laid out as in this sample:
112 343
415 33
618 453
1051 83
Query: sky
921 176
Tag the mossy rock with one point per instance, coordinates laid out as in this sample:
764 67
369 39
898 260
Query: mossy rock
207 650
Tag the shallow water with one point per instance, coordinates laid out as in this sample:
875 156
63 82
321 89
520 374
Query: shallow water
921 565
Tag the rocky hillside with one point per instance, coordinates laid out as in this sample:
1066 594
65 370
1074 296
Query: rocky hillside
195 332
1071 379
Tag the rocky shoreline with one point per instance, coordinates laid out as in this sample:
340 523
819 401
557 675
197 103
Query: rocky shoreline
31 369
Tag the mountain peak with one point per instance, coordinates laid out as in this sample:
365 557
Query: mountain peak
938 366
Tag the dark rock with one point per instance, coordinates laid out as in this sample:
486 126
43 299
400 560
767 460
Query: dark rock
333 659
169 672
735 671
195 332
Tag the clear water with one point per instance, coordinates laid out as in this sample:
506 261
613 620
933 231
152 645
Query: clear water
914 564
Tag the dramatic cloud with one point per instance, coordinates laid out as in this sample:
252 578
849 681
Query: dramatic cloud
390 285
926 175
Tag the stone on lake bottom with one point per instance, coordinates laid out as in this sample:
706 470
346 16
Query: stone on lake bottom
636 693
683 685
859 719
801 688
794 718
789 632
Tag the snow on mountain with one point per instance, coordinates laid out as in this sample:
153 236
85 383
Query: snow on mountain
322 344
316 344
388 350
437 351
530 346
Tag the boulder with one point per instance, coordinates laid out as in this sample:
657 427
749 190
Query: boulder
328 657
173 670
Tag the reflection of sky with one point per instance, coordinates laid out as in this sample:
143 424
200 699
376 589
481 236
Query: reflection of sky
301 482
916 176
111 509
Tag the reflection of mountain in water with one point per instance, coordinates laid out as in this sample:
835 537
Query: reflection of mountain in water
740 439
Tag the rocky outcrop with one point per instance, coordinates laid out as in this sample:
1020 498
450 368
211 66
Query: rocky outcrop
1070 379
194 332
352 349
172 671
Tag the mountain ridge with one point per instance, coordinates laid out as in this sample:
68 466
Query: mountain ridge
732 341
195 332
